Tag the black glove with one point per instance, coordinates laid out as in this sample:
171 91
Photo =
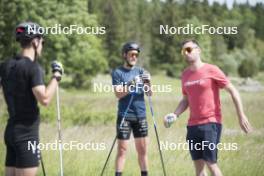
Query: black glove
57 70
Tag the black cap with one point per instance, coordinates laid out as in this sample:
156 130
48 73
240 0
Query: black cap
130 46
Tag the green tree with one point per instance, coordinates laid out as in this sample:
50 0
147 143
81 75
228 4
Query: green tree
165 47
228 64
248 68
259 23
82 55
109 16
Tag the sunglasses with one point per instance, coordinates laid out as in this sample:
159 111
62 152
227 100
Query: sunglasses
133 55
188 50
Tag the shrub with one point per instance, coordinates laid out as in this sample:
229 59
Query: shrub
248 68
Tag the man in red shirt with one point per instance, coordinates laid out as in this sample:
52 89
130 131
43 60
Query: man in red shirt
201 83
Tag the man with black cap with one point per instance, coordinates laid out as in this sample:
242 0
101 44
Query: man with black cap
130 82
23 87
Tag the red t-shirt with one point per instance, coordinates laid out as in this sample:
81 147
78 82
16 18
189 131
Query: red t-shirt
202 89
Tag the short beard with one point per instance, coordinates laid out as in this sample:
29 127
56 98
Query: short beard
128 64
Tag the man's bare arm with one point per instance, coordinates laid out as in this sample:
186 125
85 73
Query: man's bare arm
182 106
243 120
44 94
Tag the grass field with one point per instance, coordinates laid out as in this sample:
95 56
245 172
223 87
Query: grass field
89 117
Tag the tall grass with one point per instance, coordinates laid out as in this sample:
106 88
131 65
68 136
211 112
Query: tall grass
89 117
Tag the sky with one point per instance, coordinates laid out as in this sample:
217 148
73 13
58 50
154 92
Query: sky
230 2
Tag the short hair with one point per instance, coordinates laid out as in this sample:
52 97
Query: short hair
190 40
27 43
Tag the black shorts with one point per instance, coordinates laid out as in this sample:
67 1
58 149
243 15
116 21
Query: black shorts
139 126
203 140
21 153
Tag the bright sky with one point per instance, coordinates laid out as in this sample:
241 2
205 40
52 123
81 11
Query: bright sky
230 2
